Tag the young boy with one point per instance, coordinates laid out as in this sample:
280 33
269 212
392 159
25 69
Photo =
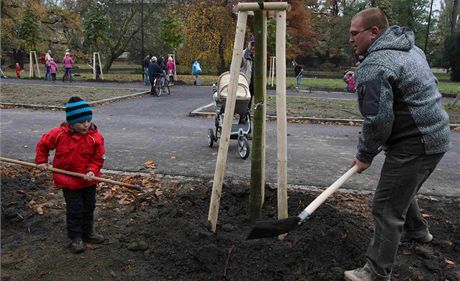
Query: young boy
79 148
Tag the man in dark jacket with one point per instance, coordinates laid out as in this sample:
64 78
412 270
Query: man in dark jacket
403 114
154 72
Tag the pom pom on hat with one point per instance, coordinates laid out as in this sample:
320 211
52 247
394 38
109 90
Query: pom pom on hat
77 110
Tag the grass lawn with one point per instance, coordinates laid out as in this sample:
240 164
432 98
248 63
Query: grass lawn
327 108
56 95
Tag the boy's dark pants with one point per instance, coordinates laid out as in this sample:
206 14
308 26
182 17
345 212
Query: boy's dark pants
80 211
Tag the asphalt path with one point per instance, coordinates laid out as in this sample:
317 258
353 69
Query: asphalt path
160 129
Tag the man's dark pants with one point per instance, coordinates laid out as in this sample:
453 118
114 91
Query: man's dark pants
80 205
395 208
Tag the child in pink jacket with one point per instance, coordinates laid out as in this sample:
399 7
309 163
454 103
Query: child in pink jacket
53 68
67 61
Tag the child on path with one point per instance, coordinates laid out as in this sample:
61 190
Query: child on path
18 70
52 68
67 61
79 148
196 70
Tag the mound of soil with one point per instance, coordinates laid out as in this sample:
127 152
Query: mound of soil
163 235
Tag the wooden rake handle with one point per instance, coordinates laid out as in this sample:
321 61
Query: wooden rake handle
74 174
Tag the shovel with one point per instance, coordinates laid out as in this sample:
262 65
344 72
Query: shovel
60 171
265 229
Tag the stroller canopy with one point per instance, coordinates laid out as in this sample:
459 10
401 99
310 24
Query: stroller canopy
242 92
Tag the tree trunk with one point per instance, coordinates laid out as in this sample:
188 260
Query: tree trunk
257 158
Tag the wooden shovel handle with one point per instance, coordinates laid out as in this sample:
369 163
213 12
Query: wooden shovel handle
65 172
327 192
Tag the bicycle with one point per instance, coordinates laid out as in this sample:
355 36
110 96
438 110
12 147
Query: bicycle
161 86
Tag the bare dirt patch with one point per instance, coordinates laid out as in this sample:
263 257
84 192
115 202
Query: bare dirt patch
163 235
56 95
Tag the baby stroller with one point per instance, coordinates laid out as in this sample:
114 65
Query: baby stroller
241 129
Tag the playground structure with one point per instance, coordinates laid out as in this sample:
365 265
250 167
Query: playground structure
96 69
243 9
33 62
271 72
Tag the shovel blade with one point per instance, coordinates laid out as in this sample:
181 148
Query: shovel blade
265 229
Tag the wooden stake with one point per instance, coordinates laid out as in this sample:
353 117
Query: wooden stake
281 119
277 6
94 66
36 63
31 67
228 118
100 65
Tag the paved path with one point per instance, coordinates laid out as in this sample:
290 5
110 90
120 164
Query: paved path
159 129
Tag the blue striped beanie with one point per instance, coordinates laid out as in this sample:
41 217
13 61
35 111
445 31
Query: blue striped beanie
77 110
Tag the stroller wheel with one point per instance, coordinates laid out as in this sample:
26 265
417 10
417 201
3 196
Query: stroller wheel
243 148
210 137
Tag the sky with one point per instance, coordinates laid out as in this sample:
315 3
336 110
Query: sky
437 4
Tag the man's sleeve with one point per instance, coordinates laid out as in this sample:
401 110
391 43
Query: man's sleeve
375 97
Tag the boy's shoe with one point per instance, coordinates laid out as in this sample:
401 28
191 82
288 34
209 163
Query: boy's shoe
94 238
77 246
427 238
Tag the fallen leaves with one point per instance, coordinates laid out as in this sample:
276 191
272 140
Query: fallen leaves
449 263
37 207
150 165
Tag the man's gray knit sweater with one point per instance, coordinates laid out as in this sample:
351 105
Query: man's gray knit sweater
399 99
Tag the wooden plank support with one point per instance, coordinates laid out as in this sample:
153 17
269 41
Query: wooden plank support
254 6
228 119
281 119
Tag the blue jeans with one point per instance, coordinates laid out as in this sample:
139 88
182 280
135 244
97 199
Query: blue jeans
298 81
146 76
67 70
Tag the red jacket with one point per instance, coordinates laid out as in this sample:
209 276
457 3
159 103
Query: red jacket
75 152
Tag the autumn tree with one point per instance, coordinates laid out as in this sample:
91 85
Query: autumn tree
301 36
209 30
172 32
96 26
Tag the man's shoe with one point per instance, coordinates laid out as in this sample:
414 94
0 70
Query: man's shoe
94 238
364 274
359 274
77 246
427 238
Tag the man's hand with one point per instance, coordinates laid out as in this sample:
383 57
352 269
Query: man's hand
361 165
42 166
89 175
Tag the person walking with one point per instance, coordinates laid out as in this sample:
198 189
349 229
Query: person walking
146 70
79 148
47 60
247 66
171 70
52 69
298 72
196 70
18 71
401 105
68 62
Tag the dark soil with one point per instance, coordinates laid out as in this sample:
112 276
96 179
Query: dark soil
163 235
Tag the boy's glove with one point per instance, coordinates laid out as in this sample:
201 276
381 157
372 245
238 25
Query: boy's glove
43 166
89 175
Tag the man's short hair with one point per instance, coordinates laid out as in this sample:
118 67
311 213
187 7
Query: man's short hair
373 17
